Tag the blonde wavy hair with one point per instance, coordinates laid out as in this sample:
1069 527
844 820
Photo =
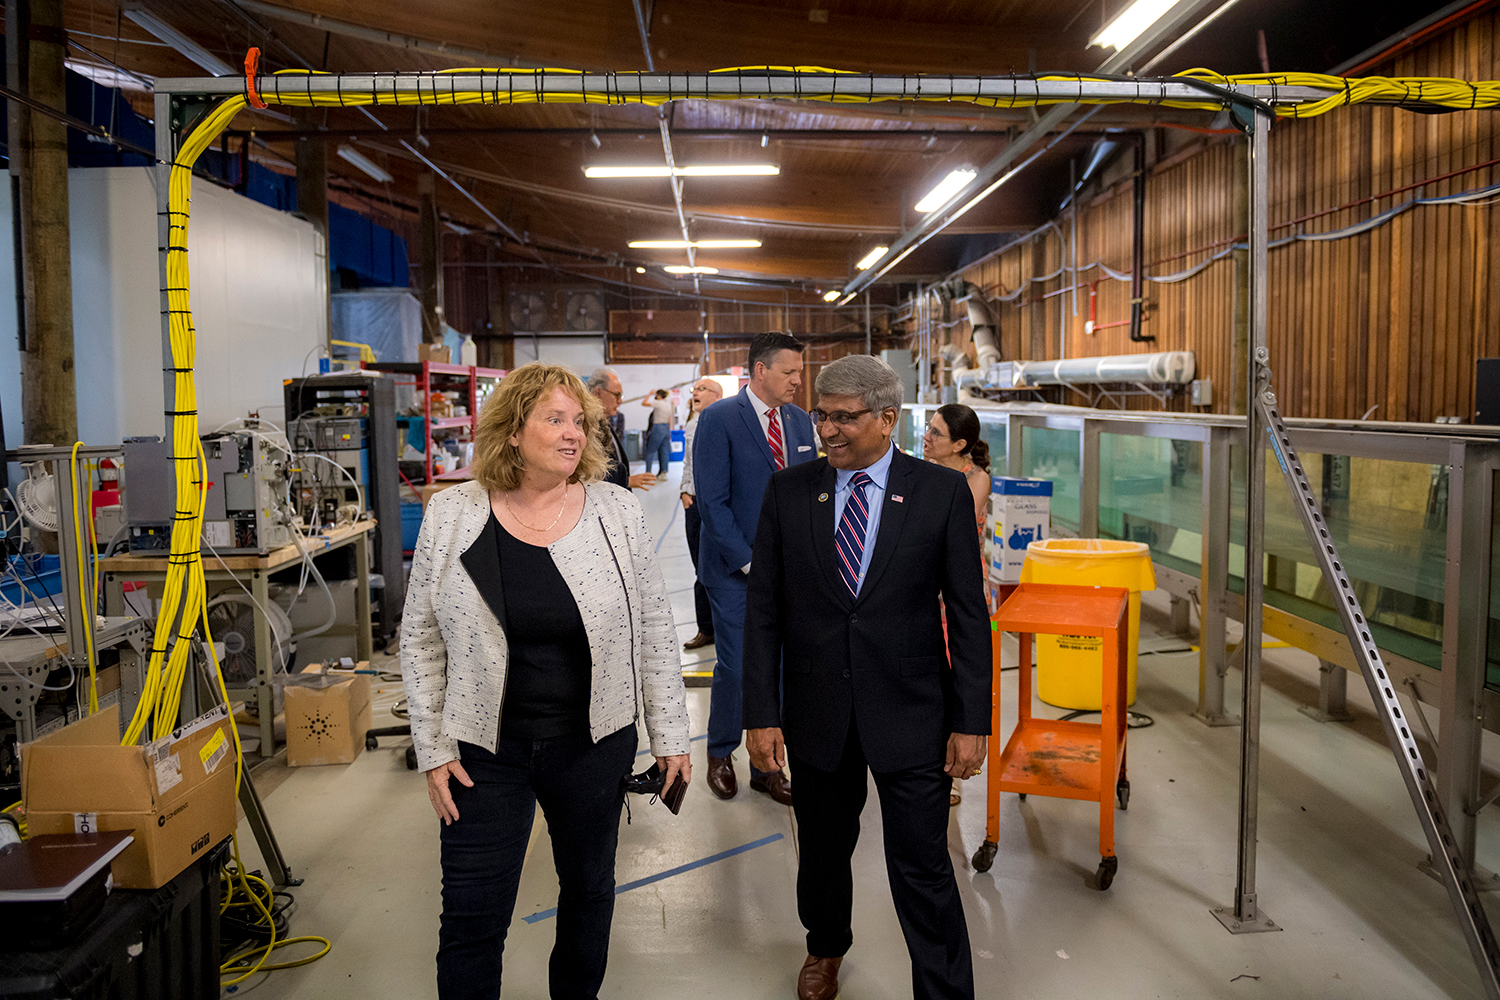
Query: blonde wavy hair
497 462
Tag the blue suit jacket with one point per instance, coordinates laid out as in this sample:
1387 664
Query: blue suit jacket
732 465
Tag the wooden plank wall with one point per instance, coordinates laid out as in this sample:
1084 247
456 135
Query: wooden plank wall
1393 319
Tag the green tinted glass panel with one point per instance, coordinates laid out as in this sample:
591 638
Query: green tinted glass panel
1047 453
1151 490
909 430
1389 521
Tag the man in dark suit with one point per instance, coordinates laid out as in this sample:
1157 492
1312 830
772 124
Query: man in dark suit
852 555
607 389
740 441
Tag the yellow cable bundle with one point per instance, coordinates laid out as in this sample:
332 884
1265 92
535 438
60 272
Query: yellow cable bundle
183 605
1431 93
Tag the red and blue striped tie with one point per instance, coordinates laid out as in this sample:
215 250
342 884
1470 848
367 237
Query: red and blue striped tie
850 538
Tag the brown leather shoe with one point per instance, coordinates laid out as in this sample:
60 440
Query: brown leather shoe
721 779
698 641
777 785
819 979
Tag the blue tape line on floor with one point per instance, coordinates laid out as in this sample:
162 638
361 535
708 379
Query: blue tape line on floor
695 739
680 869
670 521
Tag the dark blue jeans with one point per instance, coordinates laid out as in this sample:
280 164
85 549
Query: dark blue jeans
577 784
692 522
658 446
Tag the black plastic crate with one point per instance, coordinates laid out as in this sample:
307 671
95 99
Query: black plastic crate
145 944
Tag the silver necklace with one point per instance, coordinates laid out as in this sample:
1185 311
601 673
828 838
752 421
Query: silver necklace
540 531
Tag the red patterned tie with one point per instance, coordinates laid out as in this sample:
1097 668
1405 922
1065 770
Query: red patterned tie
773 435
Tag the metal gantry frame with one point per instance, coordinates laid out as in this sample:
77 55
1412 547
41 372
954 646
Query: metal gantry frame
174 98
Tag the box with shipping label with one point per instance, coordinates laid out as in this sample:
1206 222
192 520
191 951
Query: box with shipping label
326 718
176 793
1020 513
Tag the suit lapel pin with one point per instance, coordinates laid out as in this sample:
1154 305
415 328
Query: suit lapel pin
898 499
822 498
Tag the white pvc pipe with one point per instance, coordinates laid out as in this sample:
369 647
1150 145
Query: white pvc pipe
1176 367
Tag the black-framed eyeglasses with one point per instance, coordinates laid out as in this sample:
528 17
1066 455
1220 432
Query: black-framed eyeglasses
839 418
618 395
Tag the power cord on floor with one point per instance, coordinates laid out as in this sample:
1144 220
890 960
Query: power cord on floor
1133 720
258 931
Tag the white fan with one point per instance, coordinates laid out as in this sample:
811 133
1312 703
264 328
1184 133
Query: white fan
36 496
231 617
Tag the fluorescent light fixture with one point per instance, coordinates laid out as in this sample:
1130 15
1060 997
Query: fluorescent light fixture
870 258
830 296
353 156
705 170
945 190
1130 22
684 269
697 244
182 43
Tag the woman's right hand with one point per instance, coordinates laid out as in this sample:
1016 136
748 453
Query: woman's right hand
437 789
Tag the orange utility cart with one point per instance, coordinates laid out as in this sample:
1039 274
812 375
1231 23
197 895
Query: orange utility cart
1069 760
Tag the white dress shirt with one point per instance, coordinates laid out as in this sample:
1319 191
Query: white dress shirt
687 457
879 473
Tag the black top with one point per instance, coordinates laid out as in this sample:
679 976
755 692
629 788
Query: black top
547 686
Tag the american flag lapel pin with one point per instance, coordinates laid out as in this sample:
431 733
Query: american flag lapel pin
898 499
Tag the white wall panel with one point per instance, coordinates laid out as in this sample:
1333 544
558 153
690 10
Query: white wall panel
258 284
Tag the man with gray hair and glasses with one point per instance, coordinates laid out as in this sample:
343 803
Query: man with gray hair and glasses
855 555
605 386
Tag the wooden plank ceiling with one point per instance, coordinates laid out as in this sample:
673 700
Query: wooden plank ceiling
849 174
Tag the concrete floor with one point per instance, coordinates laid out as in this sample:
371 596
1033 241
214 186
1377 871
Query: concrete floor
715 914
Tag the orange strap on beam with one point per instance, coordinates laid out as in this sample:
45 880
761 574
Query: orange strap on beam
252 69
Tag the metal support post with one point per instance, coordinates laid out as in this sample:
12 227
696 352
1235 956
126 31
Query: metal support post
1333 695
1014 455
265 838
1466 604
1182 616
1213 587
1088 480
1246 917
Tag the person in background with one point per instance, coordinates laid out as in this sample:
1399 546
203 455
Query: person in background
706 391
739 443
659 431
852 556
952 439
606 388
537 631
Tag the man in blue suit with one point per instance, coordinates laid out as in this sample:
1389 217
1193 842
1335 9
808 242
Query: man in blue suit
740 442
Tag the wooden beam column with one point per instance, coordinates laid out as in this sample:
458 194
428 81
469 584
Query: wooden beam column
49 400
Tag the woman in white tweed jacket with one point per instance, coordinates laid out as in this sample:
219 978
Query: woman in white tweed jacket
536 631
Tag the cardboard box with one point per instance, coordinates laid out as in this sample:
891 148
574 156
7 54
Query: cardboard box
176 794
438 353
326 718
1020 513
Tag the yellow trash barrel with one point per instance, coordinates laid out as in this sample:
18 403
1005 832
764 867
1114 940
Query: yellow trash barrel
1069 667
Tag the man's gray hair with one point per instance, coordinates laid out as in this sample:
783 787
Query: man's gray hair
598 380
872 380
